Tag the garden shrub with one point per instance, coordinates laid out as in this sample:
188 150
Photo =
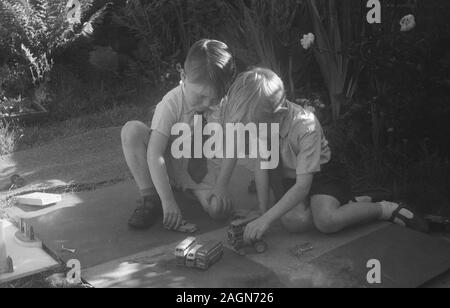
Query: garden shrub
32 31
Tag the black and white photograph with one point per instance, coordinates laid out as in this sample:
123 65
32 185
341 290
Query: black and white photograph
224 150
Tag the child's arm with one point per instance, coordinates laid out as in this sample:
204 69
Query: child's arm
294 196
297 194
220 190
155 156
262 189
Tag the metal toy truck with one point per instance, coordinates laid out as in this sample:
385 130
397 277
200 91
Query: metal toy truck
208 254
196 254
192 255
236 235
182 250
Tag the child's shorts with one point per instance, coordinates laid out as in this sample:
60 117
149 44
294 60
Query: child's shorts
333 180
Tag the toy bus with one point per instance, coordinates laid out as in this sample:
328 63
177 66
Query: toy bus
196 254
208 254
182 250
192 255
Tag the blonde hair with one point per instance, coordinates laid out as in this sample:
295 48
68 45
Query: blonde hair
253 97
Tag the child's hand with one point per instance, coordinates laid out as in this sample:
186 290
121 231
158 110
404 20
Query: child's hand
172 215
256 229
223 197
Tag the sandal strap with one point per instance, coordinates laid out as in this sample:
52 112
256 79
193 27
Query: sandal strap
396 214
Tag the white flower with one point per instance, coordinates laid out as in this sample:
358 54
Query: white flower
307 40
407 23
73 12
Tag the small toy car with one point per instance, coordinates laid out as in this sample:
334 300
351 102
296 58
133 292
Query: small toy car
185 227
236 235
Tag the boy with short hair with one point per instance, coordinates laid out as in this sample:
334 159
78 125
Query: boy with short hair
208 72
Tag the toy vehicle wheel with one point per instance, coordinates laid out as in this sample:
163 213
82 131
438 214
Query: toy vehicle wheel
260 246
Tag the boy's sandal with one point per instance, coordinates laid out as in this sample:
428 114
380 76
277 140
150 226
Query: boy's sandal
146 213
406 217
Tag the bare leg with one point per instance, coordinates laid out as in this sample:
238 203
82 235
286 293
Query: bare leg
135 138
213 209
330 217
299 219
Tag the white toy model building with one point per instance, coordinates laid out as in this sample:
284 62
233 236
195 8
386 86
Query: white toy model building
38 199
6 264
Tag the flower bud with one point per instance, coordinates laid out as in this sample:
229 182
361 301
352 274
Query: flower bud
307 41
407 23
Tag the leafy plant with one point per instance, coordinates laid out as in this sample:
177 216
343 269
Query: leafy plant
263 33
400 71
43 25
33 30
165 30
334 33
14 80
250 37
9 137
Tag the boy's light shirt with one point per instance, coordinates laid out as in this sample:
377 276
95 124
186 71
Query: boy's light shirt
173 109
170 111
303 146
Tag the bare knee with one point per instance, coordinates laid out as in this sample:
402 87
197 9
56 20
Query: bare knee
297 222
211 206
133 131
215 211
327 223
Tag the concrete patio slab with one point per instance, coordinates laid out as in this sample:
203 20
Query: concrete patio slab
338 260
407 259
277 267
94 223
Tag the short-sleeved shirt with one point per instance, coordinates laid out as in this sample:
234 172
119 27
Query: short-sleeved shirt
172 110
303 146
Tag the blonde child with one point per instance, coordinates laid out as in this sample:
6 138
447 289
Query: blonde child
311 188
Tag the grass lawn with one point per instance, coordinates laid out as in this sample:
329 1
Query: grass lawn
132 106
13 139
41 134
